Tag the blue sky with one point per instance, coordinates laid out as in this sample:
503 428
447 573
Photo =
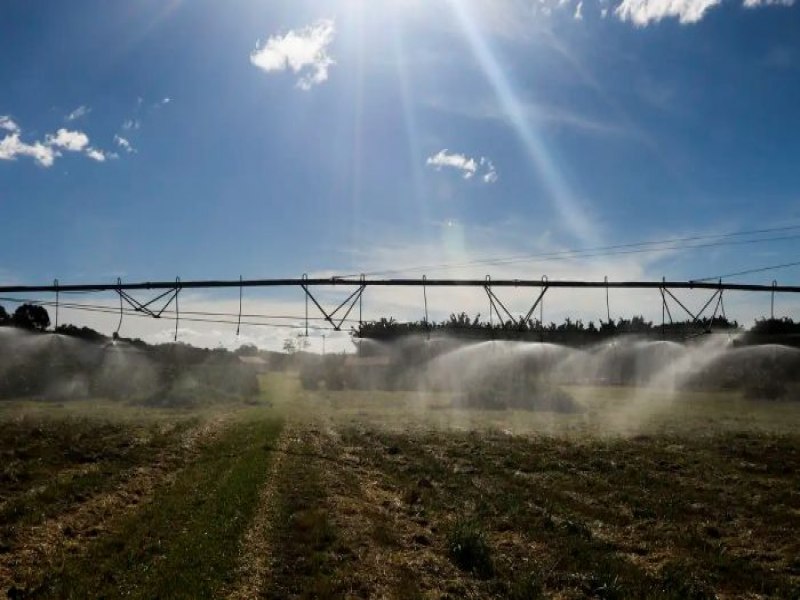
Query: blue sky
150 139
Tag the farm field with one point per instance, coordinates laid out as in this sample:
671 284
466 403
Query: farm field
317 494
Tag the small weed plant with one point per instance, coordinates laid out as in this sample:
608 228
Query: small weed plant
469 548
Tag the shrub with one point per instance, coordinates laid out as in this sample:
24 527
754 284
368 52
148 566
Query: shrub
469 549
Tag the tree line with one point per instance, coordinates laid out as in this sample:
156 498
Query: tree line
569 331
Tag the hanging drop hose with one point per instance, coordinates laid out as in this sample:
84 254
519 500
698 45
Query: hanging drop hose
177 306
119 291
55 284
305 278
239 320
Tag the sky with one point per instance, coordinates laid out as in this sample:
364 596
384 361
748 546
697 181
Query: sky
155 139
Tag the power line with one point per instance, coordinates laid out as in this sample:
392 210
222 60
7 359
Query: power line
612 250
750 271
78 306
128 312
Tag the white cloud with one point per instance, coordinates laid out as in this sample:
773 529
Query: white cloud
123 143
468 166
304 51
11 147
96 154
45 153
79 112
757 3
166 100
74 141
579 11
644 12
130 124
490 175
8 124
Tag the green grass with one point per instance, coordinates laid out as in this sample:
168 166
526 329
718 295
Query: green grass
49 464
469 548
185 543
304 538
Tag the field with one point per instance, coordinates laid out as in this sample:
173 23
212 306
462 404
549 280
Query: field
393 495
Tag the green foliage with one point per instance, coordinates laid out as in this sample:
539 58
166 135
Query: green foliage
784 325
570 332
185 543
31 316
469 549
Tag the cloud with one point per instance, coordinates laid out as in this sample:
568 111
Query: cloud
8 124
96 154
11 147
123 143
490 176
304 51
79 112
73 141
469 167
757 3
130 124
45 153
579 11
643 12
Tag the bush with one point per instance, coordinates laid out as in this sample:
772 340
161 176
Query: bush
469 549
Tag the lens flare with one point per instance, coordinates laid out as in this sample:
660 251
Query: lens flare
573 216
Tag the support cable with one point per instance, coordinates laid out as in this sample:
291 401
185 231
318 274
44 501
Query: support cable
361 301
55 284
527 317
499 303
239 320
425 301
491 315
681 304
359 291
119 290
305 278
716 308
177 306
772 300
541 310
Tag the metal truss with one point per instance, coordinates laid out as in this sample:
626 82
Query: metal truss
338 316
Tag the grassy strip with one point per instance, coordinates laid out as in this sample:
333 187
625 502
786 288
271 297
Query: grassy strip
184 544
53 464
305 539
